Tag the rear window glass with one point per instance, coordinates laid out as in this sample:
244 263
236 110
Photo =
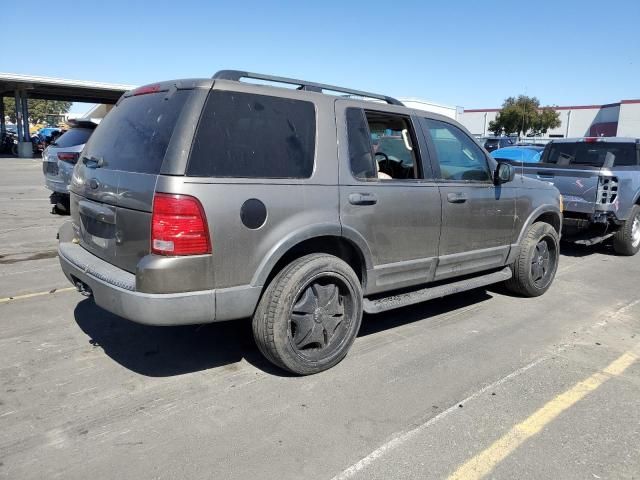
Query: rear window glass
254 136
596 154
135 134
73 137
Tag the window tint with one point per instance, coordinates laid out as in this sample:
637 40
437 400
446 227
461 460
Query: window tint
360 151
254 136
73 137
135 134
460 158
596 154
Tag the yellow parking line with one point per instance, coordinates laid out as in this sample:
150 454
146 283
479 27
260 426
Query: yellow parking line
483 463
37 294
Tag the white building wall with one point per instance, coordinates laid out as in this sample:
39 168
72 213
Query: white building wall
419 104
575 121
629 123
477 122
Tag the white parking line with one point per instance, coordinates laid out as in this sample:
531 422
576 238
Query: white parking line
407 435
37 294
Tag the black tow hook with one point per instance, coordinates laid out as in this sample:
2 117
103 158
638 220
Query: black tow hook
83 288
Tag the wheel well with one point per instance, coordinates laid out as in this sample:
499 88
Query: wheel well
550 218
337 246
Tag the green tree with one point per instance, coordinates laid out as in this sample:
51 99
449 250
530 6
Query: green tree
38 109
521 115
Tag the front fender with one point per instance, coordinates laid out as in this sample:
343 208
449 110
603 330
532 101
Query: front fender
537 213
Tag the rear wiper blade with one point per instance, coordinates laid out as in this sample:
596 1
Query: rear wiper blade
96 162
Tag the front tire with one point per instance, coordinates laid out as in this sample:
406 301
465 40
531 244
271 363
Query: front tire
537 263
626 241
309 315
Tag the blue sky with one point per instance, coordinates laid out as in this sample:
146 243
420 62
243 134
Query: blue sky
466 53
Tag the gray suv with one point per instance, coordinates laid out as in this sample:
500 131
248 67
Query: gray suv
197 201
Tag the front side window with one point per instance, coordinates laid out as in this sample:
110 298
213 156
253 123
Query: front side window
245 135
460 158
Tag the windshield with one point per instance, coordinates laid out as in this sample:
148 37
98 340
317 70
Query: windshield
597 154
135 134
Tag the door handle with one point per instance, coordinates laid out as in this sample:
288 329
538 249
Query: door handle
545 175
362 199
456 197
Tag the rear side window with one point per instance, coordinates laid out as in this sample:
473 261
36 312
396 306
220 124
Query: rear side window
135 134
73 137
360 151
254 136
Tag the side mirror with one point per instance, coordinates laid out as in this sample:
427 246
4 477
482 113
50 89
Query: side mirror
504 173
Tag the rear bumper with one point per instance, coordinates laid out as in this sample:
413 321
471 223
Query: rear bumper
114 290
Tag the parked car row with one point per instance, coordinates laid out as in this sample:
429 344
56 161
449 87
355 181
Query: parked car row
59 159
207 200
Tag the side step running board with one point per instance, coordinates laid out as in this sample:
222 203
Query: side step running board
422 295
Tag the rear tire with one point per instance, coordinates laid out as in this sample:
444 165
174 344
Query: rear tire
537 263
309 315
626 241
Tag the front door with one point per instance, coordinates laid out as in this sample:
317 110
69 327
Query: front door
387 195
478 217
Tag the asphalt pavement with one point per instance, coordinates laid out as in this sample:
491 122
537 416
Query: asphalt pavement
481 384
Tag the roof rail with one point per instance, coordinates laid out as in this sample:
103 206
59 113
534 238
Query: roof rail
236 75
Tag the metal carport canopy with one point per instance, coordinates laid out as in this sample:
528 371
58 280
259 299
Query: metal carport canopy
48 88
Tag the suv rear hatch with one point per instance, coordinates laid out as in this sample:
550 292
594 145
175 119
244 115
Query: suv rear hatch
114 181
581 170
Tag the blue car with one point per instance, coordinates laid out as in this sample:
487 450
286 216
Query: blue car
47 131
519 154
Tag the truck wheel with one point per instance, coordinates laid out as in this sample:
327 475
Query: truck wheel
309 315
537 262
626 241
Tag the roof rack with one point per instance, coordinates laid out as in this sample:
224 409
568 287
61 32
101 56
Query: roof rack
236 75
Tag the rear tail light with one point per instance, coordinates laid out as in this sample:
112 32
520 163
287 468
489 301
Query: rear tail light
607 190
68 157
178 226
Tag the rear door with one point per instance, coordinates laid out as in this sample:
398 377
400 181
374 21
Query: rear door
478 217
396 211
114 182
